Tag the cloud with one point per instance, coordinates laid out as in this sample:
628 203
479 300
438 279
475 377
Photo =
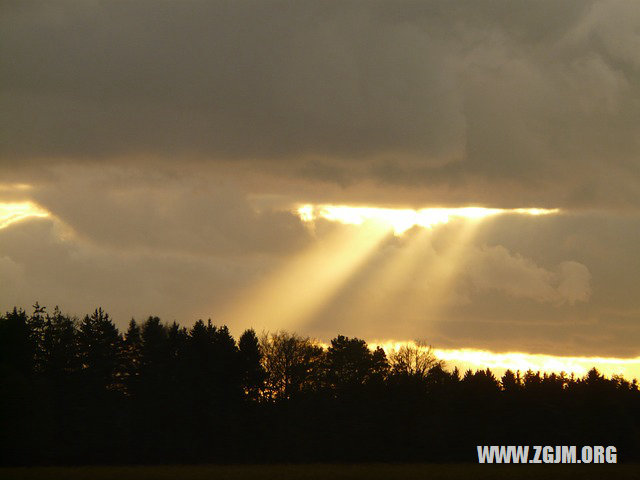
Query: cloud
485 102
496 268
12 277
127 209
574 282
39 264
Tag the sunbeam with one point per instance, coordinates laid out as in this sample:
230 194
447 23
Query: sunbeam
412 281
386 286
422 278
289 296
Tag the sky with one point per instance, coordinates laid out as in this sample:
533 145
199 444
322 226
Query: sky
271 164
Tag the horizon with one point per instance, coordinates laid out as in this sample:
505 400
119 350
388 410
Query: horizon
462 359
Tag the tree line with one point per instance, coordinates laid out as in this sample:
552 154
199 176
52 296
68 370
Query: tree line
78 391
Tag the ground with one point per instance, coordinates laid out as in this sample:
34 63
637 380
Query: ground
321 472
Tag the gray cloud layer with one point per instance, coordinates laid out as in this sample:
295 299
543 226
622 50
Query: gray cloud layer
499 103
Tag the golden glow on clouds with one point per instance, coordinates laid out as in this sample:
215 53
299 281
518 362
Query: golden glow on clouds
11 187
401 220
468 358
291 293
289 296
15 212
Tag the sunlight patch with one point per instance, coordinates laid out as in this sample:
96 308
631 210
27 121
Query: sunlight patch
401 220
15 212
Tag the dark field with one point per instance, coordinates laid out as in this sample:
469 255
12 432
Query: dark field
330 472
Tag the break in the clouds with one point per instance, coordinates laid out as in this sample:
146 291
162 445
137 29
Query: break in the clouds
165 147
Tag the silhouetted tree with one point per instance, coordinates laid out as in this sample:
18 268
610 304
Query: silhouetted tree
351 364
131 356
413 360
99 344
481 381
293 364
78 392
253 373
17 351
17 346
510 382
440 379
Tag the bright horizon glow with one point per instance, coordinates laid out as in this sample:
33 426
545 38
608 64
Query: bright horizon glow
401 220
498 363
14 212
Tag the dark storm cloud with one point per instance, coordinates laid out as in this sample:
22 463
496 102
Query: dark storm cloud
479 102
218 78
